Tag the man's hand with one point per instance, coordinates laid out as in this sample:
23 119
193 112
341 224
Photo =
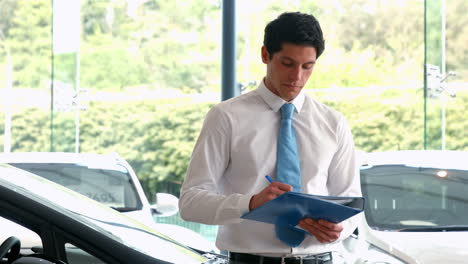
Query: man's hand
324 231
272 191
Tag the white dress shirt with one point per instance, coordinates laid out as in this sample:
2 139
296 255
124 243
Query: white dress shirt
236 148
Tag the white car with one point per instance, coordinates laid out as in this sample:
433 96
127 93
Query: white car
71 228
109 179
416 208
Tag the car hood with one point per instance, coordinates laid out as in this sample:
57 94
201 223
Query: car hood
180 234
426 247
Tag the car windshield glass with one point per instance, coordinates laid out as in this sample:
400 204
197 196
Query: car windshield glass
110 186
145 240
405 198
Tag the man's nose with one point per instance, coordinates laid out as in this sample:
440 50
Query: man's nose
295 74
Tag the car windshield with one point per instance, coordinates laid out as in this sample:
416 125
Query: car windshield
111 186
403 198
99 217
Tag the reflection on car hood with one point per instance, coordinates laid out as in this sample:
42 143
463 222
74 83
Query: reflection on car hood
442 247
180 234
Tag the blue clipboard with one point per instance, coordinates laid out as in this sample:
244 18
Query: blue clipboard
290 207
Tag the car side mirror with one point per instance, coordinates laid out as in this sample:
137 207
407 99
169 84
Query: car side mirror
165 205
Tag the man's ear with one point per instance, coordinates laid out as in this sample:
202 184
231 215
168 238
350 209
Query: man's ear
265 55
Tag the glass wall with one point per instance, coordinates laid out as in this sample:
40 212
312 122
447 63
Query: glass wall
25 74
371 69
447 94
456 67
137 77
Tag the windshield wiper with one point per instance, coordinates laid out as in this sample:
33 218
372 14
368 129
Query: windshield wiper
450 228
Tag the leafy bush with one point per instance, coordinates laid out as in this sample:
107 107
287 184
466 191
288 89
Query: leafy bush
157 137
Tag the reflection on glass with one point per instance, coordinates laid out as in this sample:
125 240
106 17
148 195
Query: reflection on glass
402 197
112 187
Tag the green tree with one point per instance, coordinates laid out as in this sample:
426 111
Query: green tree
7 8
30 38
457 39
94 17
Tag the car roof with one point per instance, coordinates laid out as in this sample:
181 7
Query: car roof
110 161
448 159
56 157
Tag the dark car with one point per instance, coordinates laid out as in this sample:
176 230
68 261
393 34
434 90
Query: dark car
75 229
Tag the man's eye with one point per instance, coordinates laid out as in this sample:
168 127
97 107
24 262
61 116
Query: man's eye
287 64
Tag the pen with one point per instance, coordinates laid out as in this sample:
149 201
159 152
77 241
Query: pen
268 178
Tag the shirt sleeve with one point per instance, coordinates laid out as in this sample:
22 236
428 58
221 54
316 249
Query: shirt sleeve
343 173
202 199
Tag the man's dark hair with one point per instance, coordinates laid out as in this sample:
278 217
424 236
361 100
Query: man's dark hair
295 28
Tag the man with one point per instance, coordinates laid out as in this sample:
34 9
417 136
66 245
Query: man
237 147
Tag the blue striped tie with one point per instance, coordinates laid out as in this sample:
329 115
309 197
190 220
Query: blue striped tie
288 169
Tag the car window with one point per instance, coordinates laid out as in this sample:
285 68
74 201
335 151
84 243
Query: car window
29 239
76 255
111 187
400 197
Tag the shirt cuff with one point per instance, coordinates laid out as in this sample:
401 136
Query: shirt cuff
244 202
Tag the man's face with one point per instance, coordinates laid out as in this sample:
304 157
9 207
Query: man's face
289 69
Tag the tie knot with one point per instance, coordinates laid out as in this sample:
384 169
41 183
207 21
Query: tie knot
287 111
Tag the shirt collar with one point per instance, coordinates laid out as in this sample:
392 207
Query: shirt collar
275 102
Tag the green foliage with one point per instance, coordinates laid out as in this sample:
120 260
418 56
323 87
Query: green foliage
30 130
390 27
176 44
65 68
157 137
456 134
94 13
362 68
106 68
7 8
383 119
433 33
29 38
457 39
161 45
63 131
